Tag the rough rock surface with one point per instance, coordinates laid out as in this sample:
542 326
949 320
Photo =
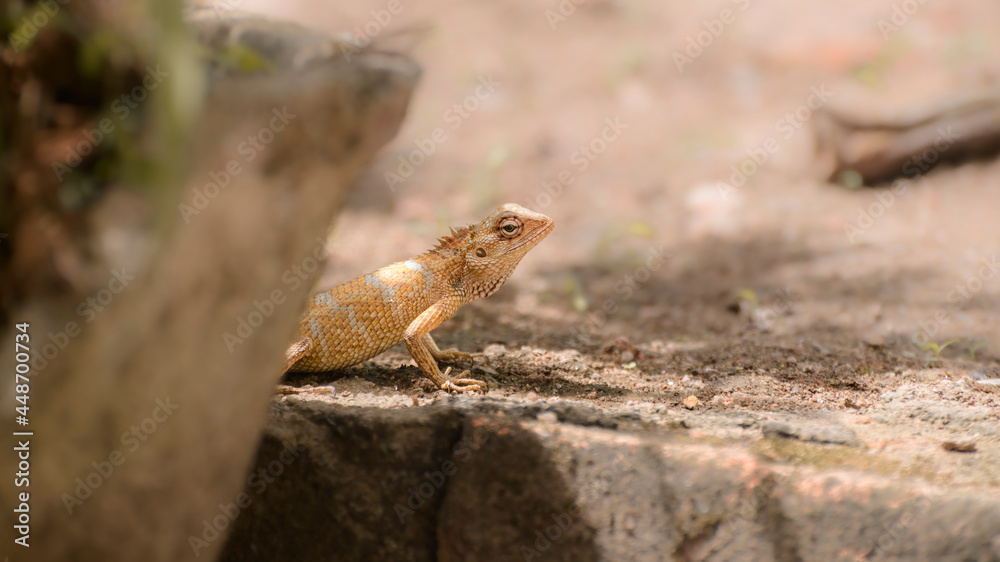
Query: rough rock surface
371 477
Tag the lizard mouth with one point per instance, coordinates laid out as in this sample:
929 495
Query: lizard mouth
536 236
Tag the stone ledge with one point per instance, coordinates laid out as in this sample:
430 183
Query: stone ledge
484 479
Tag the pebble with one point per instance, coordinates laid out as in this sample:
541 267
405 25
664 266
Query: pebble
548 417
987 385
692 402
495 350
848 403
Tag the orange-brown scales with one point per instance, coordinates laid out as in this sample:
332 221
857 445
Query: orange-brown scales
404 301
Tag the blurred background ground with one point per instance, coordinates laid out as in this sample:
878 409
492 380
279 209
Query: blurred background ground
766 302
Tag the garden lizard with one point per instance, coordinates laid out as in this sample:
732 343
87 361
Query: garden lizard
404 301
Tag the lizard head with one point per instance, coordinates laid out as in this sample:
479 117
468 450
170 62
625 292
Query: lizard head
493 248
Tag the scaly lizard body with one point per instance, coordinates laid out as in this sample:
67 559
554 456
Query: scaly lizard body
404 301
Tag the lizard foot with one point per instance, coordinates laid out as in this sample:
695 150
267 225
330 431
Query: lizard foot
462 384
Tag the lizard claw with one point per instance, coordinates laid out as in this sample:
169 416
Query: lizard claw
462 384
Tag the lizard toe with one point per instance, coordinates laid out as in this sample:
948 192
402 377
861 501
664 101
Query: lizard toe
463 384
287 389
451 355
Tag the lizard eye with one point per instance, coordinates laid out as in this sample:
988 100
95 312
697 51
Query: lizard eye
510 227
480 252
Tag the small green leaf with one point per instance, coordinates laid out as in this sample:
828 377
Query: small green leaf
750 296
851 179
578 298
640 228
498 155
243 58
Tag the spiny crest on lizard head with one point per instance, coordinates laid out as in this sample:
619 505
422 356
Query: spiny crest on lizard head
493 248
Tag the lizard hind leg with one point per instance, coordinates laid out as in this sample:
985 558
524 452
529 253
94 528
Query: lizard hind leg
447 355
296 351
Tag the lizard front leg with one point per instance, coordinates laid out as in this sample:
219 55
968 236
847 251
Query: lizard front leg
417 336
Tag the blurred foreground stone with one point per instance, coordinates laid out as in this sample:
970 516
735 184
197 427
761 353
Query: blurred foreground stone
160 302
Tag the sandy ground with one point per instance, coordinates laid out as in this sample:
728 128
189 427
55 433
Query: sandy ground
778 296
